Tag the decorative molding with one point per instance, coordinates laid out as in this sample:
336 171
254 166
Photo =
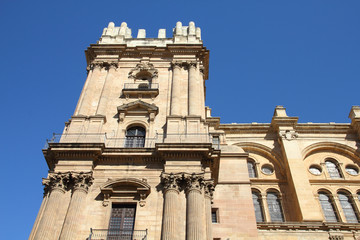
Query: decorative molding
143 67
288 134
137 189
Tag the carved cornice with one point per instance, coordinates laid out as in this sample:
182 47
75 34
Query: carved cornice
122 51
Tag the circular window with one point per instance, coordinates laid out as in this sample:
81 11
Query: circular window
352 170
315 169
267 169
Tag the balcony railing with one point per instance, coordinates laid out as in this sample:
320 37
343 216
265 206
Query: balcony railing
141 86
107 234
129 142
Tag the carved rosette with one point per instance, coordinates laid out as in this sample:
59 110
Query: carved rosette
171 181
82 181
58 181
194 182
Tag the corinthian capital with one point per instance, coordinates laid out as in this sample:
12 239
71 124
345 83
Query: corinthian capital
171 181
209 188
82 180
176 64
191 64
194 181
58 181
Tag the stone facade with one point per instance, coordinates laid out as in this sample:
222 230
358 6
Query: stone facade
143 157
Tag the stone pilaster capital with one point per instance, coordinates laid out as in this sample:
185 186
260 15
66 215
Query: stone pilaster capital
82 181
58 181
171 181
194 182
176 65
288 134
191 64
209 188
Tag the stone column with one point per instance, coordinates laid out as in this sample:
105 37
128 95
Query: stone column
195 226
176 90
170 225
73 219
85 106
38 217
108 86
209 189
193 100
265 206
57 184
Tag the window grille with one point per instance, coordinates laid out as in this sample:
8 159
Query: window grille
327 207
135 137
122 221
251 169
258 207
274 206
333 169
348 208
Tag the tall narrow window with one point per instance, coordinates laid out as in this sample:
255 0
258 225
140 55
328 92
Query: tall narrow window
135 137
274 206
348 207
259 212
251 169
333 169
122 220
327 207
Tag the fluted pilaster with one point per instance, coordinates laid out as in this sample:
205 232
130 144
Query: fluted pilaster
195 225
176 90
108 86
86 102
209 189
170 225
56 183
193 100
73 219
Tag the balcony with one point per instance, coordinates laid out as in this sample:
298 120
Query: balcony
130 142
141 89
106 234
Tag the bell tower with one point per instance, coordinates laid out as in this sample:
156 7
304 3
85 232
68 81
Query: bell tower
138 144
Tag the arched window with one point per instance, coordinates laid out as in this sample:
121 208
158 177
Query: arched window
259 212
327 207
251 169
135 137
348 207
274 206
333 169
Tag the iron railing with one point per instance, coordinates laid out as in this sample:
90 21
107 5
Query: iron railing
130 142
141 86
110 234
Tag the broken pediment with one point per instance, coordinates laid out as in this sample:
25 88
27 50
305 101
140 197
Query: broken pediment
137 108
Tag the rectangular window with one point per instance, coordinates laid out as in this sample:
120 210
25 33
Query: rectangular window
122 221
214 215
216 142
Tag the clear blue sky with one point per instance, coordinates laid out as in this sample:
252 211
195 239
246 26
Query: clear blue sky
304 55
